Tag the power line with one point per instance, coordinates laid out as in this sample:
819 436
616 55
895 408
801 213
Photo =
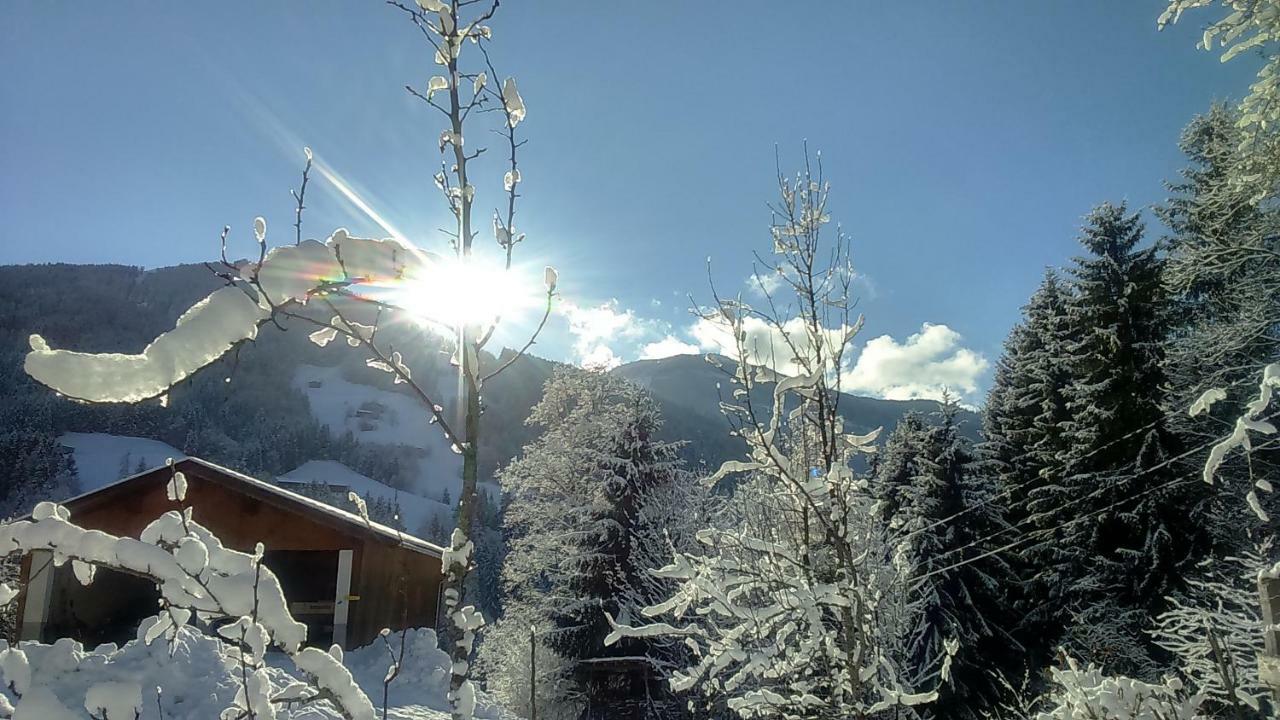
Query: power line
1095 493
1182 479
1009 491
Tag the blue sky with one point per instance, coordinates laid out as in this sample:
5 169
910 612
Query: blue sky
963 141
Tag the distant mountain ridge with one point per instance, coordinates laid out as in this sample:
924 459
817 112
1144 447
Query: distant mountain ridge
690 390
251 412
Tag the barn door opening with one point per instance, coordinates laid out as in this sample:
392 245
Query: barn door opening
309 579
108 610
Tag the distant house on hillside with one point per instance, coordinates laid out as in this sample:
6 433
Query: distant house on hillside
415 512
344 577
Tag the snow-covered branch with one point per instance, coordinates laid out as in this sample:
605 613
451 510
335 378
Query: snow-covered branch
1250 421
198 577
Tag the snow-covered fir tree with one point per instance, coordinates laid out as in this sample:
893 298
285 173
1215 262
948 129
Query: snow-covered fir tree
1022 444
1115 523
896 467
948 523
594 505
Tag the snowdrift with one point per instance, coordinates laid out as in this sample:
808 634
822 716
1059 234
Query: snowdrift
191 677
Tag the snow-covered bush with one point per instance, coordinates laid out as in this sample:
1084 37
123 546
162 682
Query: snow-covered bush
198 677
189 674
1215 631
1087 694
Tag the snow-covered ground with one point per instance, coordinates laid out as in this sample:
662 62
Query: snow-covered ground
403 422
416 511
400 420
100 458
197 682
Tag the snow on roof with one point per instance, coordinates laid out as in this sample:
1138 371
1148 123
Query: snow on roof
331 472
416 511
401 538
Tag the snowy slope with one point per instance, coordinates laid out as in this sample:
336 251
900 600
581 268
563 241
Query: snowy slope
402 422
100 457
416 511
389 418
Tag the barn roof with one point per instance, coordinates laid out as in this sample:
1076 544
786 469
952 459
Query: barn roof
273 494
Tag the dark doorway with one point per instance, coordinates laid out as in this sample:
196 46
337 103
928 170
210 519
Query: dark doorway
310 582
106 611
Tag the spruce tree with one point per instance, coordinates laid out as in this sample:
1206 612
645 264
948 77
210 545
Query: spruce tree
1022 439
1114 527
592 509
1026 403
951 519
896 469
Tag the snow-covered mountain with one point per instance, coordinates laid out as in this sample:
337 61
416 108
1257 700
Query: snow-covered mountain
377 415
281 402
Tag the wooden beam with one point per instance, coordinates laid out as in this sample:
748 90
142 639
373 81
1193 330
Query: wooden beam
342 598
1269 660
35 611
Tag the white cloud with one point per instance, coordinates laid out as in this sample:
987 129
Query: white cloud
600 357
764 281
923 366
666 347
598 331
765 344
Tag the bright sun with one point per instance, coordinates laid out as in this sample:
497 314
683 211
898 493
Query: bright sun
448 292
453 293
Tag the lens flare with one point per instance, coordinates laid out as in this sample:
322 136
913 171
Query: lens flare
345 189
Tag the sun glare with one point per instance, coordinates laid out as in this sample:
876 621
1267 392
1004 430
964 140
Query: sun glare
452 292
449 292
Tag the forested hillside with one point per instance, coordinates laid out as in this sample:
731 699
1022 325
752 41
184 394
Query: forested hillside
250 412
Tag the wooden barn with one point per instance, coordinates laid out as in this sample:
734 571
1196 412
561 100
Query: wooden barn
345 578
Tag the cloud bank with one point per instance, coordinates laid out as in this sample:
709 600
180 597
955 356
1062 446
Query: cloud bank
667 347
925 365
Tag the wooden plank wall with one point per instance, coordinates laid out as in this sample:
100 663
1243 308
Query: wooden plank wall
387 579
238 519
